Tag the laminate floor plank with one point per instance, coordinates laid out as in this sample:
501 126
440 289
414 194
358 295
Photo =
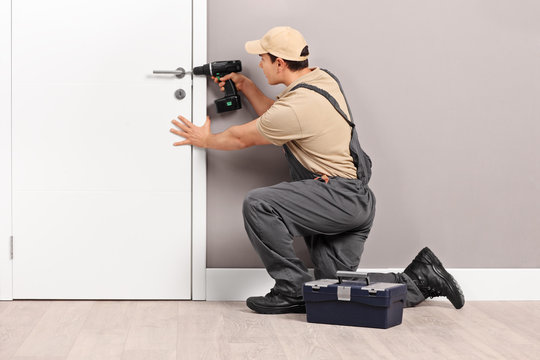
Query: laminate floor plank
4 305
505 330
251 336
521 316
153 332
200 330
303 340
225 331
105 331
17 321
56 331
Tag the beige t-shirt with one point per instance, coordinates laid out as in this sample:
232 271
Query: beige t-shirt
310 126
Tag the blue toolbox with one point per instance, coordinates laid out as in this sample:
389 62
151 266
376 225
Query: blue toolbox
339 302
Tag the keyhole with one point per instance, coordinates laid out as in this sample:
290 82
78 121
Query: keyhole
180 94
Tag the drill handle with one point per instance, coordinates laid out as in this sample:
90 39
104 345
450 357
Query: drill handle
230 88
231 100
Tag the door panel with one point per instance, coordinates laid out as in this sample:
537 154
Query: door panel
117 245
101 198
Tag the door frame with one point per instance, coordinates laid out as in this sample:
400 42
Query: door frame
198 156
6 288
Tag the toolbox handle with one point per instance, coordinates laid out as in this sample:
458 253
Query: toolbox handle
352 274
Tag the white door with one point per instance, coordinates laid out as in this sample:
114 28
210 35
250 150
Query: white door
101 198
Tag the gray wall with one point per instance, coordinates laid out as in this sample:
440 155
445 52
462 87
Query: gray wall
446 96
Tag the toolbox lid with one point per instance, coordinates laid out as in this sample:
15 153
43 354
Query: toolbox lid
376 294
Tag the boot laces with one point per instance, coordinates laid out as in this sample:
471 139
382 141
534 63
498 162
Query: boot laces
431 292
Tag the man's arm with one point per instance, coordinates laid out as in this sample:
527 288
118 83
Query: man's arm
234 138
255 96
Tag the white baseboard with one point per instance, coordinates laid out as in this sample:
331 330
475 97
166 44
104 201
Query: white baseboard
477 284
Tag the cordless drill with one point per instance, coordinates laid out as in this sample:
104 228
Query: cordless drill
231 100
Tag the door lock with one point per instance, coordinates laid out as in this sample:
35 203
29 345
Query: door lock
180 94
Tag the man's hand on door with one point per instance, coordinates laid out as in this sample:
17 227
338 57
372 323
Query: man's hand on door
193 134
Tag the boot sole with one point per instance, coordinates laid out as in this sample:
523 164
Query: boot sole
458 300
295 309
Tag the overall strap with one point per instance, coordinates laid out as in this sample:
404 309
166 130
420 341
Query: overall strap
340 89
329 97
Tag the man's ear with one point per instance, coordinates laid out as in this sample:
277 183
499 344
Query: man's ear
281 64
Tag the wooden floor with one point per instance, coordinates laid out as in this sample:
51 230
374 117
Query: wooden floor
148 330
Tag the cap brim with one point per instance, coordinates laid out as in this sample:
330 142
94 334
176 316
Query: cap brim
254 47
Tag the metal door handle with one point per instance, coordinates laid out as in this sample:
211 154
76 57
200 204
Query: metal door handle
179 73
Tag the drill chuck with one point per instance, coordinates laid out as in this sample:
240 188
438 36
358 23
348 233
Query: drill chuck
202 70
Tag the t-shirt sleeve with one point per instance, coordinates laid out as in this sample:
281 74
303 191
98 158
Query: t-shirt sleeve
279 124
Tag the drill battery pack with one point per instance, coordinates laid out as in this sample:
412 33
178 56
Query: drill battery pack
228 103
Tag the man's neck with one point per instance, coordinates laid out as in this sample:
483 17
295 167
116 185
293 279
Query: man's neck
292 76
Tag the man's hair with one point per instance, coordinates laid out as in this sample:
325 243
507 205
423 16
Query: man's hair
294 65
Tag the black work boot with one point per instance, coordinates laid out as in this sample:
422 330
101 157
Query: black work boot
274 303
433 280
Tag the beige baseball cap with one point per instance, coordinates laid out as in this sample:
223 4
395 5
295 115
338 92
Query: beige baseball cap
282 41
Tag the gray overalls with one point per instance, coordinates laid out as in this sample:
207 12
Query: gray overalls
334 215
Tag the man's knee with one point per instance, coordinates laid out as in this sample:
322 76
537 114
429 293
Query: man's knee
253 202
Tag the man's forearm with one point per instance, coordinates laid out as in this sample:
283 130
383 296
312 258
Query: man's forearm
255 96
229 139
236 137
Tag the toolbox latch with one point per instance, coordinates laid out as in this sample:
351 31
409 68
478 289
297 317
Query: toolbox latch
321 283
376 287
344 293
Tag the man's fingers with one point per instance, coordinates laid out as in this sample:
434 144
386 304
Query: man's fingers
184 120
178 132
220 81
179 143
182 125
226 77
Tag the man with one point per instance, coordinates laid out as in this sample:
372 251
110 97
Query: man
329 201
